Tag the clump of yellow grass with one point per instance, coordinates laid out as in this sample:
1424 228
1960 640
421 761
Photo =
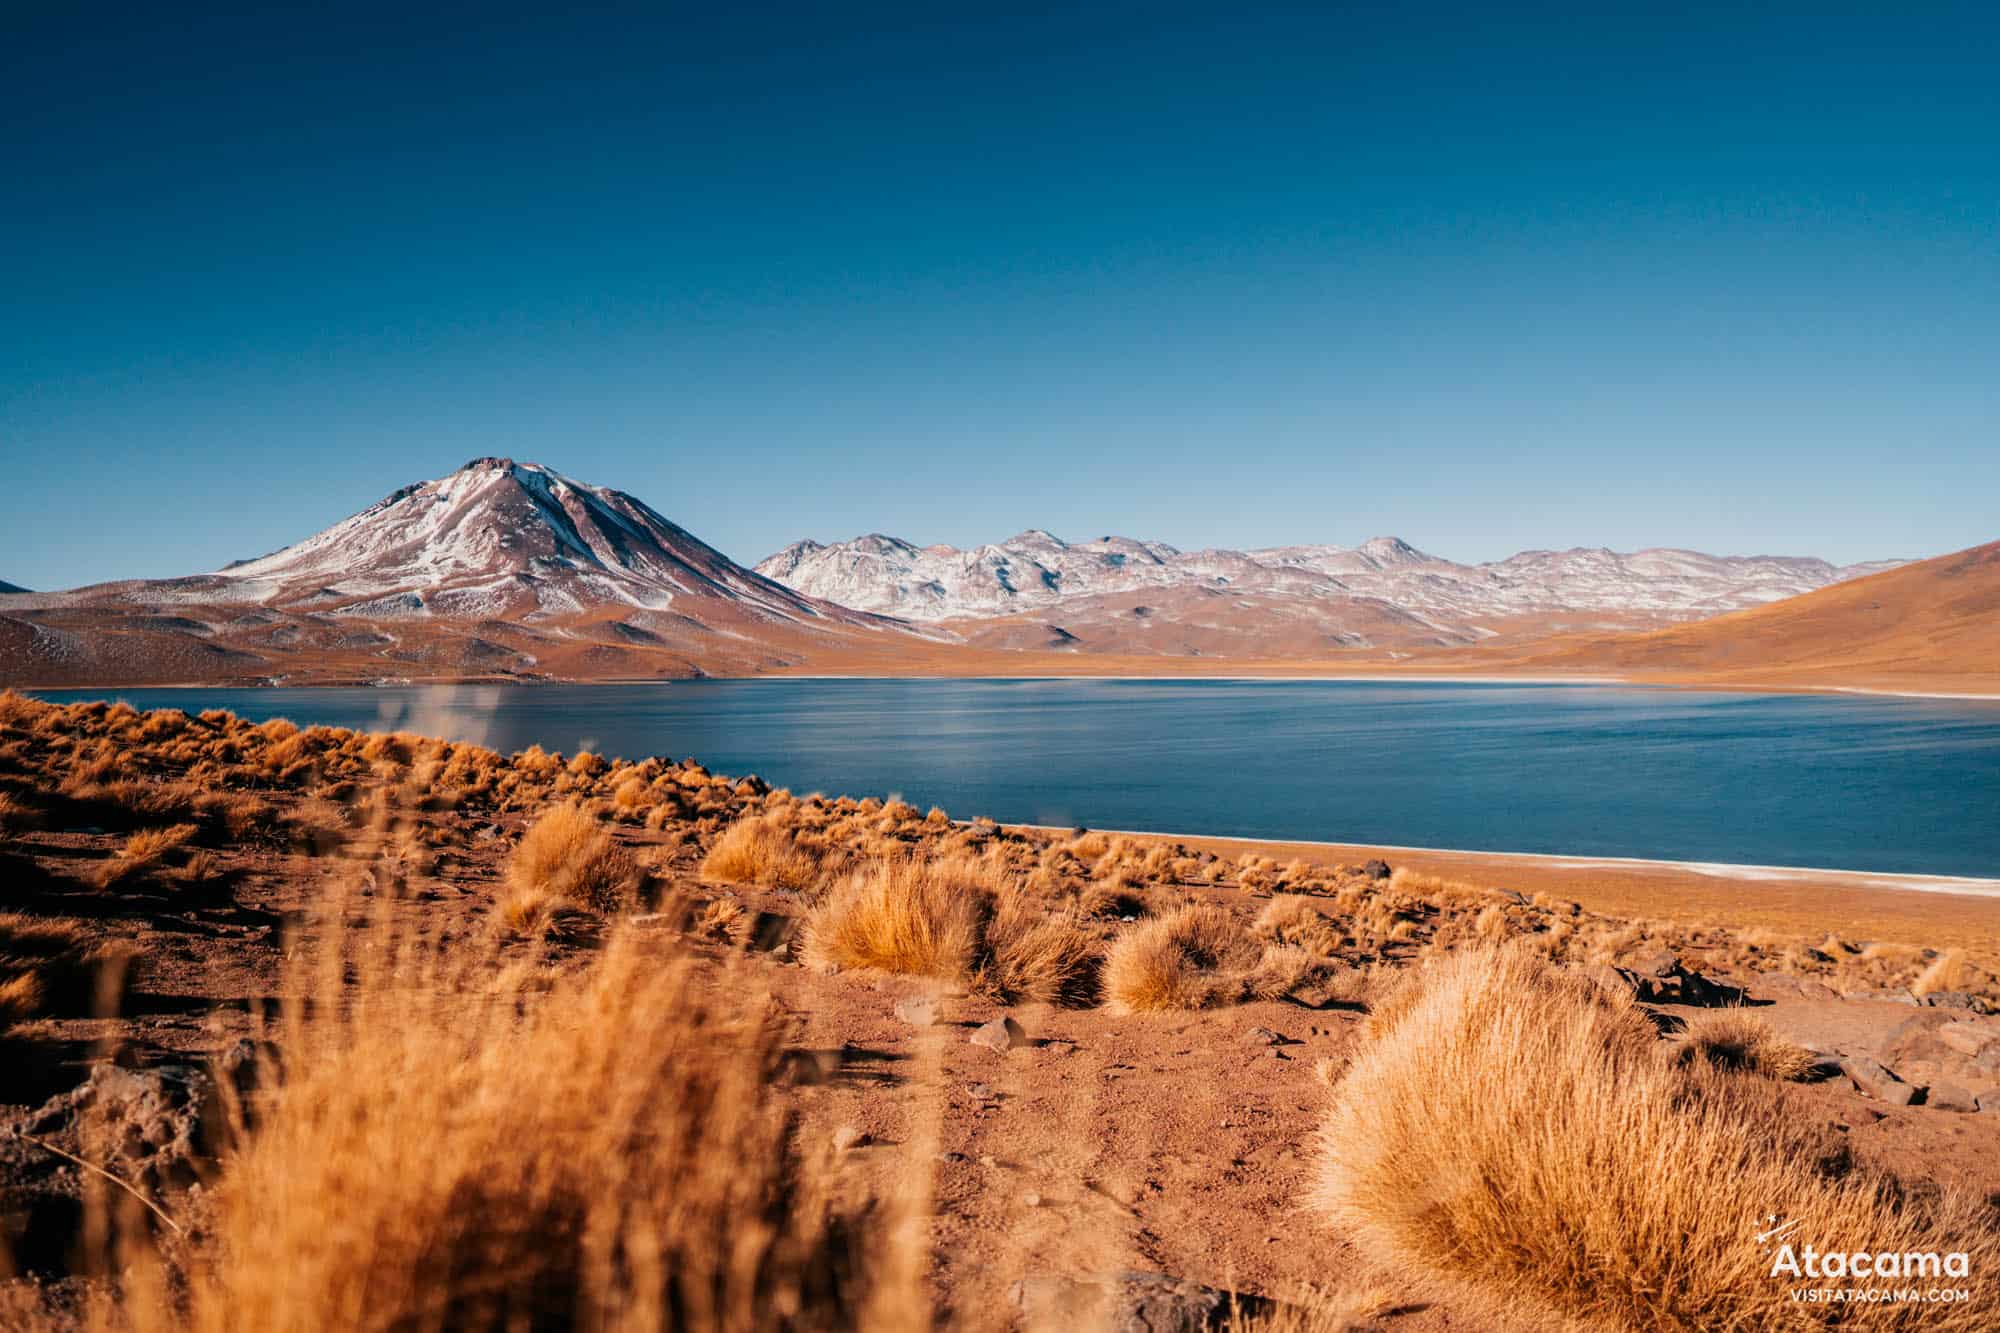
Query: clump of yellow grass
1516 1133
1198 956
55 964
764 849
457 1142
566 858
954 917
143 851
1739 1041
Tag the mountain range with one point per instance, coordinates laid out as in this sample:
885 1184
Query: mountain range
508 570
1119 594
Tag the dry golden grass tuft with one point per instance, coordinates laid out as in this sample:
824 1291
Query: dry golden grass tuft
239 813
720 919
54 964
16 814
957 917
917 918
461 1143
1951 971
1518 1135
1196 957
766 849
18 710
1302 923
566 858
144 851
1036 951
1737 1040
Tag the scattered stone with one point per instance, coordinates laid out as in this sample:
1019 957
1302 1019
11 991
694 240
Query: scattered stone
847 1137
1953 999
807 1069
980 1092
1130 1302
1817 990
919 1011
1376 869
1032 1199
1659 978
1965 1038
1949 1097
1663 963
1875 1080
1059 1047
986 1159
1919 1040
770 932
157 1128
1988 1103
1002 1034
953 1158
1266 1037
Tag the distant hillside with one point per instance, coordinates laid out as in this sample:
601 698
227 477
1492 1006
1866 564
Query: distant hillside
1934 623
6 587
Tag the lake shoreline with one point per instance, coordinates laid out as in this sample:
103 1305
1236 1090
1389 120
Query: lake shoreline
1943 907
1977 886
1576 779
1412 676
1858 906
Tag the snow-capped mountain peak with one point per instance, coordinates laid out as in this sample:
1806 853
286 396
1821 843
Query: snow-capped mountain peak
1037 571
505 539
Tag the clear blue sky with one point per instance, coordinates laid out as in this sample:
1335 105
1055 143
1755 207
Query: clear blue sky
1482 276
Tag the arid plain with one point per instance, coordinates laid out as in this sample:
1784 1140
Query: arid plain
314 1027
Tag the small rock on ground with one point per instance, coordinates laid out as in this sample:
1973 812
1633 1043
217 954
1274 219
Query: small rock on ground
1875 1080
1002 1034
1949 1097
1128 1302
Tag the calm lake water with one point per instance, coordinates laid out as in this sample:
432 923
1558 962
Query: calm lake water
1845 782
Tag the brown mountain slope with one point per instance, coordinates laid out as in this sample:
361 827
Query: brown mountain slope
1930 625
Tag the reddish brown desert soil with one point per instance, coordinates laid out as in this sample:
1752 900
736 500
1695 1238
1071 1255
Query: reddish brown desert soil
1176 1142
